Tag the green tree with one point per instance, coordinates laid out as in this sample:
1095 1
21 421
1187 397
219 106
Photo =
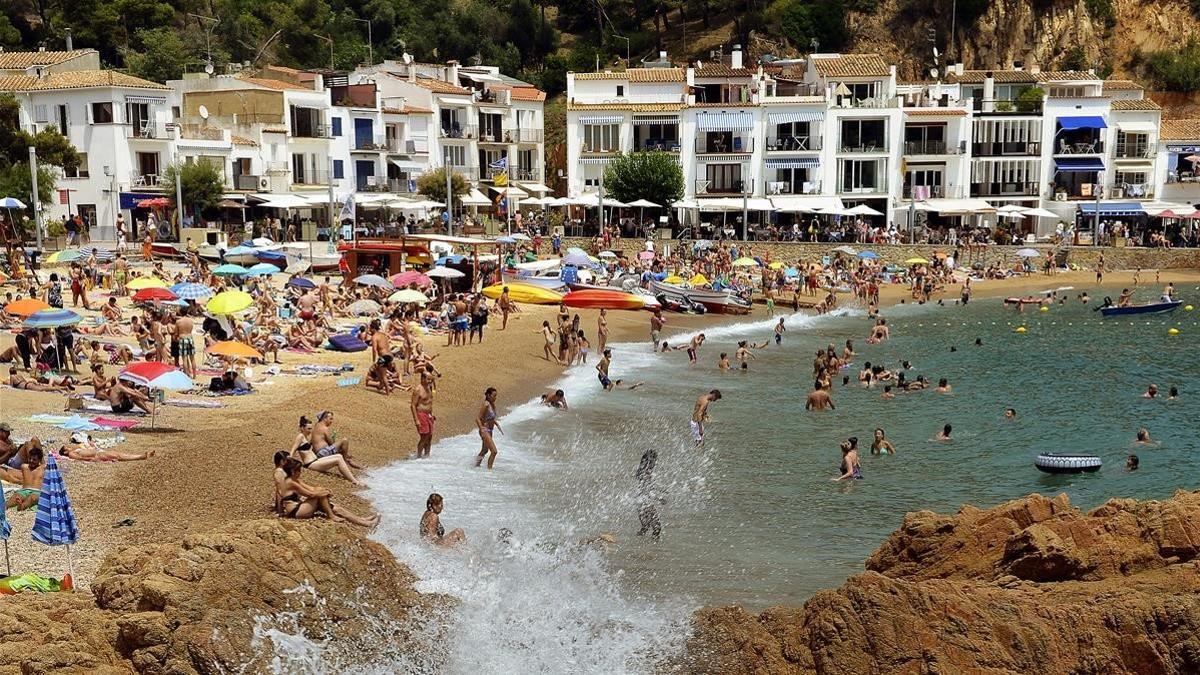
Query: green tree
1176 69
202 184
802 21
165 57
1030 99
54 152
432 184
655 176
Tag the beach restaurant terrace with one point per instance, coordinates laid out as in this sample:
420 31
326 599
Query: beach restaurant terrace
391 255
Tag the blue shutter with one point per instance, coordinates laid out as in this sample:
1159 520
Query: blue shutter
338 171
337 126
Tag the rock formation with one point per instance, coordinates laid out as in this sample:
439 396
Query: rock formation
1032 585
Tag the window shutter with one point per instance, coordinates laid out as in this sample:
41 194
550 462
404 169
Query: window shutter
39 114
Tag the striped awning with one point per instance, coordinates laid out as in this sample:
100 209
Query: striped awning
1078 164
594 160
794 163
724 121
134 98
788 117
656 119
601 119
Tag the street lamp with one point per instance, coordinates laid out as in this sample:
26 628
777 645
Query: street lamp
622 37
370 41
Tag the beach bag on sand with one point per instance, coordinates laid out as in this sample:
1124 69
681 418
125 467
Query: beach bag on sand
346 342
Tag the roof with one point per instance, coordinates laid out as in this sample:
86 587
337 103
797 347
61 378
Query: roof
1060 75
267 83
722 70
606 75
528 94
851 65
1179 130
656 74
242 140
275 130
76 79
935 112
1134 104
406 110
23 60
1122 85
439 86
999 76
634 107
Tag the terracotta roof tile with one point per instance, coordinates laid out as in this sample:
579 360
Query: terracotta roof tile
23 60
1179 130
852 65
439 86
1122 85
722 70
527 94
1071 75
935 112
1000 76
634 107
1135 104
242 140
76 79
719 104
606 75
278 85
656 74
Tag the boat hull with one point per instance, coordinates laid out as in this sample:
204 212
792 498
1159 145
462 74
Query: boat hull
717 302
524 293
1153 308
596 298
165 249
552 283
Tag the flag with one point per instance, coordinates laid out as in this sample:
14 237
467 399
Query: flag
501 164
500 179
347 212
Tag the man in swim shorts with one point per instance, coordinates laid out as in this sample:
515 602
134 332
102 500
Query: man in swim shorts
322 440
184 346
602 371
421 406
122 398
779 329
700 415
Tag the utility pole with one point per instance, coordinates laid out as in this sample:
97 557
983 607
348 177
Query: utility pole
1096 216
179 193
36 203
449 193
600 198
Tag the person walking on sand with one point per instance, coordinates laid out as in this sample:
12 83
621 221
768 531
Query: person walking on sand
548 349
1100 269
421 406
488 425
505 303
186 348
656 325
700 415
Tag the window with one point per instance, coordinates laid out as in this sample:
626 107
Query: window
1005 177
862 175
929 176
864 135
1068 92
137 115
147 163
859 90
601 137
339 170
1133 144
1134 182
174 112
525 161
79 172
298 171
102 112
491 126
791 182
40 114
457 154
63 118
724 177
337 126
620 90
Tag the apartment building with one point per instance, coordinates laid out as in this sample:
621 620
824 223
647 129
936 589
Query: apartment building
834 131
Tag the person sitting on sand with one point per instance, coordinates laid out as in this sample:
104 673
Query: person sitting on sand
100 383
382 376
323 440
299 500
30 477
431 524
302 450
81 447
122 398
18 381
11 454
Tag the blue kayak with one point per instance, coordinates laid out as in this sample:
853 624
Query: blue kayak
1152 308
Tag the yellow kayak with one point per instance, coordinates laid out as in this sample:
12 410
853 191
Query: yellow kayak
526 293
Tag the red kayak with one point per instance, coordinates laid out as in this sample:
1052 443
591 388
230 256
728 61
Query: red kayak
592 298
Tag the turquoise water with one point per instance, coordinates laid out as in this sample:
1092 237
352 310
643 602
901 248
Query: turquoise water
753 517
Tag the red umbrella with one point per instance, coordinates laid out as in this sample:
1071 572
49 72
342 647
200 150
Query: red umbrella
154 203
153 294
405 278
156 375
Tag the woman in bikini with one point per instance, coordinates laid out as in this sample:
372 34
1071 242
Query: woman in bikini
299 500
82 448
332 464
431 524
487 423
19 381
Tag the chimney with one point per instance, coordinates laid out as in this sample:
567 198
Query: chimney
989 91
662 56
41 48
958 68
735 57
452 72
70 43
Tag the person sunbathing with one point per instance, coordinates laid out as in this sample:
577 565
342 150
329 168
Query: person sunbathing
19 381
298 340
333 464
33 470
123 398
10 355
323 439
262 340
299 500
81 447
110 311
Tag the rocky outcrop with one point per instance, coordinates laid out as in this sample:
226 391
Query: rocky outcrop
1033 585
248 598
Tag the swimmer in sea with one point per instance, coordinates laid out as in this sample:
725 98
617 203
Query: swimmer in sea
1172 393
944 434
887 392
555 399
848 351
1010 413
779 330
978 342
880 445
1131 463
943 386
819 399
700 415
723 363
1151 391
1143 437
850 467
742 354
1083 297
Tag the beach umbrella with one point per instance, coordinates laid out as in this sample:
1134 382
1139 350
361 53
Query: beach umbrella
1028 253
848 250
229 302
52 318
301 282
745 262
230 270
153 294
579 259
55 524
5 529
607 254
191 291
776 265
410 277
363 308
791 272
444 273
25 307
372 280
916 261
863 210
262 270
139 283
11 203
64 256
449 259
234 349
520 236
156 375
408 295
506 240
868 255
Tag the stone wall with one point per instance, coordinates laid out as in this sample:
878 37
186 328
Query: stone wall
1085 257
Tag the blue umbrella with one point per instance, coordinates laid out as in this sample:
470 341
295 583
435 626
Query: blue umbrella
301 282
55 523
869 255
191 291
52 318
452 259
577 259
231 270
11 203
262 270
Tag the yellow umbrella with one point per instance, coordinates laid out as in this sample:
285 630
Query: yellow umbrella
673 279
145 282
65 255
916 261
229 302
234 349
698 280
776 265
745 262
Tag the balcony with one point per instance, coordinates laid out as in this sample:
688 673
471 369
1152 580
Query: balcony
529 135
707 187
149 130
278 168
721 146
1084 147
862 189
1185 177
463 132
929 148
1005 190
657 144
418 145
316 131
246 182
1007 149
401 186
605 150
371 184
793 143
1135 151
146 180
869 102
529 175
935 191
877 145
783 187
1133 191
374 144
311 178
1006 106
496 136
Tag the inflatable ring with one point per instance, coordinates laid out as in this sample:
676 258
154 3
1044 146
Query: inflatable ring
1056 463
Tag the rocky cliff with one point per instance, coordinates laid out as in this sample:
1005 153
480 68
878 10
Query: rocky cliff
252 597
1033 585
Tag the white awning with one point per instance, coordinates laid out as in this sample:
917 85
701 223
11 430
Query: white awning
492 111
478 77
284 201
601 119
1136 127
408 166
732 204
476 198
510 191
808 203
535 187
788 117
656 119
959 206
142 98
724 121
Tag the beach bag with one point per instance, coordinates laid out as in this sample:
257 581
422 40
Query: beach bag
346 343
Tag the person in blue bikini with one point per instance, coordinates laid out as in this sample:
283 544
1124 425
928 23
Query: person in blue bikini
487 423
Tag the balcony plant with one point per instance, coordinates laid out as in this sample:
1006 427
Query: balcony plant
1030 100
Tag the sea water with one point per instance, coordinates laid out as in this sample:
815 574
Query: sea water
752 517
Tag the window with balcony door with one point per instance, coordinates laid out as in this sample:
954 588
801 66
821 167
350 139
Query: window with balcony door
147 163
299 173
860 90
1132 183
1133 144
451 120
138 117
102 112
306 122
994 138
862 175
925 139
489 157
491 127
1005 178
601 137
792 136
864 135
724 178
928 177
656 136
792 181
526 169
63 118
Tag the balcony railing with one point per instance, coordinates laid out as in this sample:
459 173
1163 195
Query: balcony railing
1133 191
459 131
416 146
1135 150
246 182
313 131
1007 106
783 187
863 189
529 135
929 148
1005 190
1079 147
878 145
1007 149
278 168
530 175
371 184
374 143
401 185
870 102
146 180
935 191
311 178
707 187
601 150
1187 177
663 144
793 143
496 135
148 130
739 146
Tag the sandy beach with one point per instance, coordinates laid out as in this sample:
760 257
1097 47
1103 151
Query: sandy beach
212 466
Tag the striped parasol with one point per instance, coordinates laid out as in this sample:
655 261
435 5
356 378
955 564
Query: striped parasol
192 291
55 523
52 318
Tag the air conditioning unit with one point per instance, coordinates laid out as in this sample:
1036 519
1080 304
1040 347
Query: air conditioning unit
264 184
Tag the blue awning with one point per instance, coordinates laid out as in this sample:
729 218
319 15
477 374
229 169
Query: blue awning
1113 208
129 200
724 121
1082 122
794 163
1079 164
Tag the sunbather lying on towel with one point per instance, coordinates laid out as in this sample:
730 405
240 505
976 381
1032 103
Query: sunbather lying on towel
19 381
81 447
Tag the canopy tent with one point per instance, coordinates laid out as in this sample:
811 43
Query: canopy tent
535 187
475 198
959 206
1071 123
285 201
1041 213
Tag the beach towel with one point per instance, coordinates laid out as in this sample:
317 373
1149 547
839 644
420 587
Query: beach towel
193 403
28 583
349 381
110 423
107 410
315 369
